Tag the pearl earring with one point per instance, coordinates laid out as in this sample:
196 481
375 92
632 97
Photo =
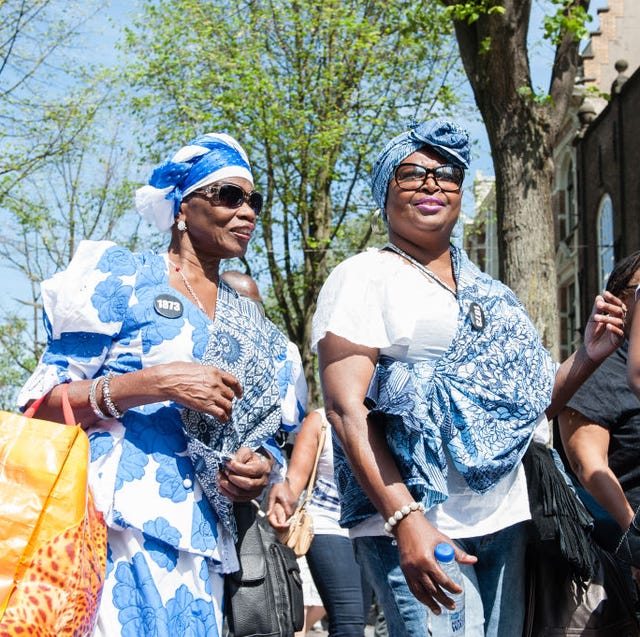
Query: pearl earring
181 224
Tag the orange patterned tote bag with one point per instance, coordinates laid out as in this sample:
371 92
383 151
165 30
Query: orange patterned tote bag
52 539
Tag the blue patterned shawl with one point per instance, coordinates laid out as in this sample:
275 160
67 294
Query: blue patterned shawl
480 400
246 344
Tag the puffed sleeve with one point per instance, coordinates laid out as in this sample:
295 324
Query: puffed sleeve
363 301
84 307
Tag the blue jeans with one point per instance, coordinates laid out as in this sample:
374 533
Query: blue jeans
337 577
494 586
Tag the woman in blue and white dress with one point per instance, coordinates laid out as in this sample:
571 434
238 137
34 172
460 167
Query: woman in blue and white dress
180 384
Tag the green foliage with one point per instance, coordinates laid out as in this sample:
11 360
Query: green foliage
594 91
311 90
571 18
541 98
470 12
17 359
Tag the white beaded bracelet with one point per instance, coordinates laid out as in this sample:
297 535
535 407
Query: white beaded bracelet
106 395
93 401
402 513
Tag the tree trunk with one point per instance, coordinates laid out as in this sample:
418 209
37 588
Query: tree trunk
522 130
525 229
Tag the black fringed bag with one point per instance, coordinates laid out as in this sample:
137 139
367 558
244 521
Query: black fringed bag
574 587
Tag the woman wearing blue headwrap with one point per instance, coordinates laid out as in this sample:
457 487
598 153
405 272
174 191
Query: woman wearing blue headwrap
181 385
434 381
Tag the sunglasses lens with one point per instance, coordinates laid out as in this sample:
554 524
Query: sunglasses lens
231 196
255 201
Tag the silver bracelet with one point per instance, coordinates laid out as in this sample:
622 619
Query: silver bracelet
92 399
401 514
106 395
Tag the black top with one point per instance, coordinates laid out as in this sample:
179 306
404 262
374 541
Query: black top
605 399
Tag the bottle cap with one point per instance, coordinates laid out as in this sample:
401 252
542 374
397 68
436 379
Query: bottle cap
444 552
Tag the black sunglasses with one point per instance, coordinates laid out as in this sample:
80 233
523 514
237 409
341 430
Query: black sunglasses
231 196
448 177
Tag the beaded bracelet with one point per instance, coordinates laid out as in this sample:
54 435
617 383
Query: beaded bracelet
92 399
106 395
401 514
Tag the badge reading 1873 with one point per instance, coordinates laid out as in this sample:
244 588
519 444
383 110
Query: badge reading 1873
476 316
167 306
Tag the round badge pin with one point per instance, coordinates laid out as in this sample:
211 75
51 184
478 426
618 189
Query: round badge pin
168 306
476 316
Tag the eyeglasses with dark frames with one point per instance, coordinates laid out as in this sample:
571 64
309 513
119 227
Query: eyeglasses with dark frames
231 196
447 177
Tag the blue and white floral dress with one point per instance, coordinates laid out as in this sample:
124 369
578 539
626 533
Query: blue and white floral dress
114 310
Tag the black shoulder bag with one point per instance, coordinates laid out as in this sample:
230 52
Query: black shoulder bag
263 598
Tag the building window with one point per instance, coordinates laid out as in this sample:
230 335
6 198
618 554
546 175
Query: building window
566 203
569 335
605 241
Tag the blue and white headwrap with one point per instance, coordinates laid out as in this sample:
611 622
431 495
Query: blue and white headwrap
210 158
443 135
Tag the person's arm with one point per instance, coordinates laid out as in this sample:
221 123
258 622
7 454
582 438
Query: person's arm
203 388
284 496
603 335
633 360
587 445
346 370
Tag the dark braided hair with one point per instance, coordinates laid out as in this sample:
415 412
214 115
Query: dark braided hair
622 273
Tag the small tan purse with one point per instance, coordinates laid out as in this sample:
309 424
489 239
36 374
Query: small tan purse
300 534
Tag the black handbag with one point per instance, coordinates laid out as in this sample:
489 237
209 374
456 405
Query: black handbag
263 598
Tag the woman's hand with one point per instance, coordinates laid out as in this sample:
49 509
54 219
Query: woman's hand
282 504
245 476
203 388
605 328
284 496
417 540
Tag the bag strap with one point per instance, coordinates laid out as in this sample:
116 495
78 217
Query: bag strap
67 410
312 477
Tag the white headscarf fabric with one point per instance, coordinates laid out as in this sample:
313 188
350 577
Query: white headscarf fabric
205 160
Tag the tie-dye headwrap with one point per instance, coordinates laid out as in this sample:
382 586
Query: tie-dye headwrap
209 158
443 135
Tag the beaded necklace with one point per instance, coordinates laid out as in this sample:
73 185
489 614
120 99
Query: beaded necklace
188 286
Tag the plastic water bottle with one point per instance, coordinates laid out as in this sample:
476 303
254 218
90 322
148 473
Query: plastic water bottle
449 623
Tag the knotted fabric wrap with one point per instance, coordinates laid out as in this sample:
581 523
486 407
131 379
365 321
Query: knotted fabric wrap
246 344
443 135
207 159
480 400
